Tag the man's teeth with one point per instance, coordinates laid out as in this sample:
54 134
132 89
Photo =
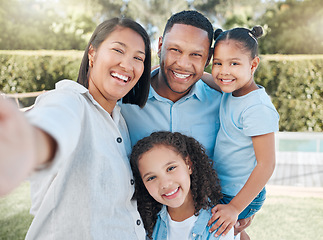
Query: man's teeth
171 193
181 75
122 77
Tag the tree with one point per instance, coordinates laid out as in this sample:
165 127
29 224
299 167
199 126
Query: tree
228 14
39 24
293 27
20 25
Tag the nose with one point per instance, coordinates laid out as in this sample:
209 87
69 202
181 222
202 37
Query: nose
126 63
224 70
165 182
183 61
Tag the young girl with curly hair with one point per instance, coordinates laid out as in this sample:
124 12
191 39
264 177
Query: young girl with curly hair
175 186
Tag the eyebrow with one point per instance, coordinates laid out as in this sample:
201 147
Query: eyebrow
231 59
176 45
124 45
167 164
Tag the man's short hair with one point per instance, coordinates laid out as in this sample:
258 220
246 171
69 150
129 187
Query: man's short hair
193 18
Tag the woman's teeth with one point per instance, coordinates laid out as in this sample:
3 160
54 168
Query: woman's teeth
122 77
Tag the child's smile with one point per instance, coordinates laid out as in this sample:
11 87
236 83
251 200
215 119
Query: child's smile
233 69
166 176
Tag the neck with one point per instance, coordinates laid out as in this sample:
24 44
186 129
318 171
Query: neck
160 86
251 86
106 104
183 212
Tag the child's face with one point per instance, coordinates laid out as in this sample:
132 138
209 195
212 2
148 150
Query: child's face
233 68
166 176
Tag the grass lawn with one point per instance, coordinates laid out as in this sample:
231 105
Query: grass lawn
288 218
281 218
14 214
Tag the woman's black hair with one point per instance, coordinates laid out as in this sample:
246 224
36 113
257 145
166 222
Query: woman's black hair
139 93
247 38
205 185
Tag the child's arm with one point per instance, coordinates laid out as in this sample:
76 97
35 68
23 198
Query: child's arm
208 79
22 147
227 214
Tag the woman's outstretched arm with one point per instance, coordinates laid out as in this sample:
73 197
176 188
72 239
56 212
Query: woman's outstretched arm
23 147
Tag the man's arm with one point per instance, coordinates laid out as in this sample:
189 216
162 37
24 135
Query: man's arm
208 79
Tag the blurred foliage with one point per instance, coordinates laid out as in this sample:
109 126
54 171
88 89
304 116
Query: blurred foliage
294 82
38 24
291 26
295 85
30 71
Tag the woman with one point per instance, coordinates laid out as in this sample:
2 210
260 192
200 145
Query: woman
76 143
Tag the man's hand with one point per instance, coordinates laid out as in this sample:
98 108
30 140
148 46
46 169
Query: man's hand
242 224
17 150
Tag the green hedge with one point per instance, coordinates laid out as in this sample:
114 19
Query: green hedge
30 71
294 82
295 85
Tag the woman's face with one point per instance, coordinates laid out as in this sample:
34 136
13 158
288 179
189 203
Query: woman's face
118 63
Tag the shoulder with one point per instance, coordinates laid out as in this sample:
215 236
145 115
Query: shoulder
67 95
160 229
206 93
259 101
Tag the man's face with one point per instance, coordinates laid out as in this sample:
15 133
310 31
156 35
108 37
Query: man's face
183 52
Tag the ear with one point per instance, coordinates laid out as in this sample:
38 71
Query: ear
254 64
160 44
189 165
209 57
91 53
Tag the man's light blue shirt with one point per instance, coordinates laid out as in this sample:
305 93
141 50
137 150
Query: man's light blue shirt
196 115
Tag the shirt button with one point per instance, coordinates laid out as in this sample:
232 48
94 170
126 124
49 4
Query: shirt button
138 222
132 182
194 234
119 140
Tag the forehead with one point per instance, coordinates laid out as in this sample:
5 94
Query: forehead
127 37
231 47
187 35
159 155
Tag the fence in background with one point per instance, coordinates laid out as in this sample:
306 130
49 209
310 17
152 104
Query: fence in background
299 159
17 96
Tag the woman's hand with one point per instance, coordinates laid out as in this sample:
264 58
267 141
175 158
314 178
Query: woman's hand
17 147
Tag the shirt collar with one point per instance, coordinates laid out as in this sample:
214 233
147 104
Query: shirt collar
163 213
202 221
84 91
200 224
194 92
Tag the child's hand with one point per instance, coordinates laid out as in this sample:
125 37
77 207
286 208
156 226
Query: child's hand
226 216
17 151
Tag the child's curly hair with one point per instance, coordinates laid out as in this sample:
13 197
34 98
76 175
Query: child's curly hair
205 185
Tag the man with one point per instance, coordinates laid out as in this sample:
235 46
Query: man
178 101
